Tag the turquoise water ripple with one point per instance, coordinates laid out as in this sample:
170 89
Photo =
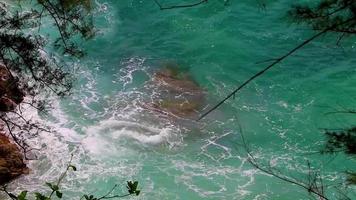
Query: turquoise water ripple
281 113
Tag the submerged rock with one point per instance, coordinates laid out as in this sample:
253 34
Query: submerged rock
178 94
176 82
6 104
10 93
11 161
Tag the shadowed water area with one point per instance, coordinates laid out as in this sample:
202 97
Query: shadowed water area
148 76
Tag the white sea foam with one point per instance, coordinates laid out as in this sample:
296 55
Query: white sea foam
113 142
105 137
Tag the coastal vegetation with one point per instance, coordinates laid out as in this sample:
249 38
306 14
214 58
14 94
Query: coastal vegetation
29 71
56 193
26 66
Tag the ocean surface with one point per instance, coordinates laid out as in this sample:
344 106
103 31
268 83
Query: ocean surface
282 114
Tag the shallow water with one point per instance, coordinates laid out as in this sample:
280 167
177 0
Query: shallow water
114 139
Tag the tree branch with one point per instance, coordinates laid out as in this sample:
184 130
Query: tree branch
278 60
179 6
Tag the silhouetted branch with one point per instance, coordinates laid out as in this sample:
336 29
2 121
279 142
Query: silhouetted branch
314 184
107 195
276 61
341 112
265 61
179 6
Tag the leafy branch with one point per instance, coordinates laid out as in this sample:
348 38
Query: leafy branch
132 190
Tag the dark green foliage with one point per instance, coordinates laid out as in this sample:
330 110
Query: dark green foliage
91 197
336 15
351 178
132 188
40 196
342 140
23 51
23 55
72 18
55 191
73 167
22 195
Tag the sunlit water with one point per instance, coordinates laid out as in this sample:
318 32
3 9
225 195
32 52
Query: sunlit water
113 139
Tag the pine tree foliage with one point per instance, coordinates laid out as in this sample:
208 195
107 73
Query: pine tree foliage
27 69
336 15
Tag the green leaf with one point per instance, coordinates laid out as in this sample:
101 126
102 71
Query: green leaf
129 184
40 196
49 185
22 195
91 197
134 186
53 187
73 167
59 194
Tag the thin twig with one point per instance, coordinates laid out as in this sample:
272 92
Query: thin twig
179 6
278 60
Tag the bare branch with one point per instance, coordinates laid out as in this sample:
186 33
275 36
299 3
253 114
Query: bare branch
179 6
277 61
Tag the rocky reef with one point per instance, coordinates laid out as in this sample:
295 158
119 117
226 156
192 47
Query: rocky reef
178 94
11 161
10 93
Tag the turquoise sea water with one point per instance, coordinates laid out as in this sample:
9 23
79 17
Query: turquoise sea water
281 114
